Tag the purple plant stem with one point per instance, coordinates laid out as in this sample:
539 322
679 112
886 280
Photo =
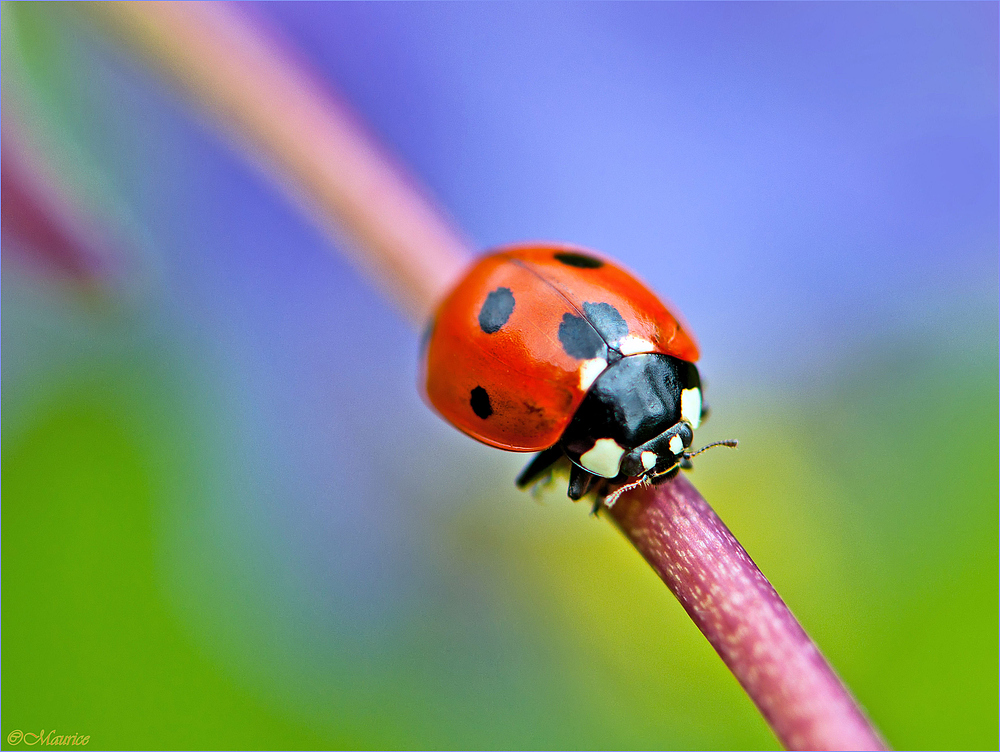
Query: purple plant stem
294 124
745 620
46 229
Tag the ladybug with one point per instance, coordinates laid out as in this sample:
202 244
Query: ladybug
556 350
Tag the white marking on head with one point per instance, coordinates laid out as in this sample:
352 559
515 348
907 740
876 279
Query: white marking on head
676 445
604 458
648 460
691 407
590 370
632 345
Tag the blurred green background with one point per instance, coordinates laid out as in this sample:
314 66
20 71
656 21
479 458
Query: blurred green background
228 521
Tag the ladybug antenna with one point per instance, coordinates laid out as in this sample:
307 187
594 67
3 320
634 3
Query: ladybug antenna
732 443
643 480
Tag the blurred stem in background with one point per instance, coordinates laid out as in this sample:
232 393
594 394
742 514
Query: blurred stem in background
316 149
319 152
40 222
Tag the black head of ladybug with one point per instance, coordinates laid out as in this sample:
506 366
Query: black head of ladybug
638 417
637 420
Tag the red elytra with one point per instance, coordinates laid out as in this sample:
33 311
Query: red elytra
509 355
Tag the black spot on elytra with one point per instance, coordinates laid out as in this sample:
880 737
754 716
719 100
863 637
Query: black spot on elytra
496 309
579 339
579 260
586 336
480 402
607 321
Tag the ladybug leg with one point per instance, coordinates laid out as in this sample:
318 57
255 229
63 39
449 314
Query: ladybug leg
580 482
657 479
538 465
